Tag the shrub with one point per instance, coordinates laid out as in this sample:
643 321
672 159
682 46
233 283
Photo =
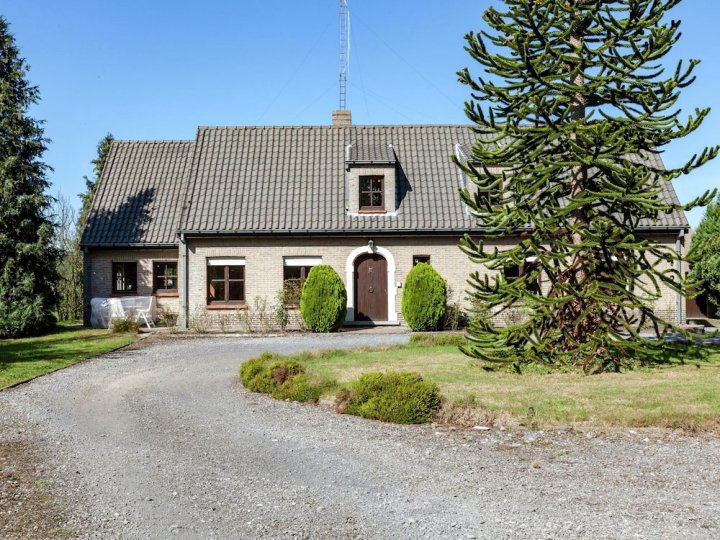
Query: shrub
401 398
125 325
424 298
323 301
168 319
281 378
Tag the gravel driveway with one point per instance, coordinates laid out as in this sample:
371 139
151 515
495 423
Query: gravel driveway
162 442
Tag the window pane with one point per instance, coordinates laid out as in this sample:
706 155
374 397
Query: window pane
236 272
417 259
171 269
292 272
512 272
171 283
376 199
237 291
376 184
365 183
365 199
216 291
216 272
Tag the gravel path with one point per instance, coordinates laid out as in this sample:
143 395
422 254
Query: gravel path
161 442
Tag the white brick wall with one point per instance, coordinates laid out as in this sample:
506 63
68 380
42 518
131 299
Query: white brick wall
264 268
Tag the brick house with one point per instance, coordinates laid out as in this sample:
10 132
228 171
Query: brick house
209 226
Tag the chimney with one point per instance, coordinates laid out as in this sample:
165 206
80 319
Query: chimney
341 118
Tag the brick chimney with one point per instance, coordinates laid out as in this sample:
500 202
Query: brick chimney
341 118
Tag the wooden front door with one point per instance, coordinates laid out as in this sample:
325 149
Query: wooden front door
371 288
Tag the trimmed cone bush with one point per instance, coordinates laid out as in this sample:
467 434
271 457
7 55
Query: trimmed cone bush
424 298
323 302
401 398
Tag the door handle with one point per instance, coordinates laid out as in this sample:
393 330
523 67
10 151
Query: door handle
371 289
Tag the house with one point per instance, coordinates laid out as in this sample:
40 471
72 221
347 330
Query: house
209 226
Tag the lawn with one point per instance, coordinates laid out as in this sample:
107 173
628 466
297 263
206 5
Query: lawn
25 358
682 394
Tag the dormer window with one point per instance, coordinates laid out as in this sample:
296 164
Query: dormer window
370 180
372 197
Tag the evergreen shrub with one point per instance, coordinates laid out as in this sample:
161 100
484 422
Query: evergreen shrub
400 398
424 299
323 301
281 378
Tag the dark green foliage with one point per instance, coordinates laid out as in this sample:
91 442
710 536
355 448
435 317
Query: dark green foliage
281 378
440 339
91 184
400 398
424 298
705 251
571 107
323 301
27 253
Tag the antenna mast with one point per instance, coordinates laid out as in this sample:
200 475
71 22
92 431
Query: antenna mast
344 51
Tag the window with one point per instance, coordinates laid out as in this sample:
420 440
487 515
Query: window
124 276
515 272
371 193
512 272
226 281
417 259
165 276
295 271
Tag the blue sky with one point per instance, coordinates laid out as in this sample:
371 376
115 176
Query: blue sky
158 69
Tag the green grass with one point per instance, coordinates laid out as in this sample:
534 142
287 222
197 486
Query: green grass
25 358
676 394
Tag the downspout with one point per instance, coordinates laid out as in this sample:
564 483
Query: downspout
678 266
185 281
87 279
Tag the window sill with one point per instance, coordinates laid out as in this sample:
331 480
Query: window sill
226 306
166 294
370 211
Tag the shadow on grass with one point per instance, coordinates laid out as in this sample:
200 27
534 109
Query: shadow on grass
62 345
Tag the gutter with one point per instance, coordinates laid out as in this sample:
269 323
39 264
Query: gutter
374 232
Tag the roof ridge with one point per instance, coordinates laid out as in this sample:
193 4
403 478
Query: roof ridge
152 141
327 126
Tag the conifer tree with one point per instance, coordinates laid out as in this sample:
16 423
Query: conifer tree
705 252
91 184
27 256
571 111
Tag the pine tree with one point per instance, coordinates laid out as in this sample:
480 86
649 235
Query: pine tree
27 256
573 105
91 184
705 252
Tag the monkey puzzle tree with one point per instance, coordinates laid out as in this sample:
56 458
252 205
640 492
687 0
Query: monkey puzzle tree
571 113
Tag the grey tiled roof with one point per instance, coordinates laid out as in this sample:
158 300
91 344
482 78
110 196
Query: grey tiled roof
282 180
139 198
361 152
291 179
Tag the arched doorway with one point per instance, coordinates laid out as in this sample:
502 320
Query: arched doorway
371 288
